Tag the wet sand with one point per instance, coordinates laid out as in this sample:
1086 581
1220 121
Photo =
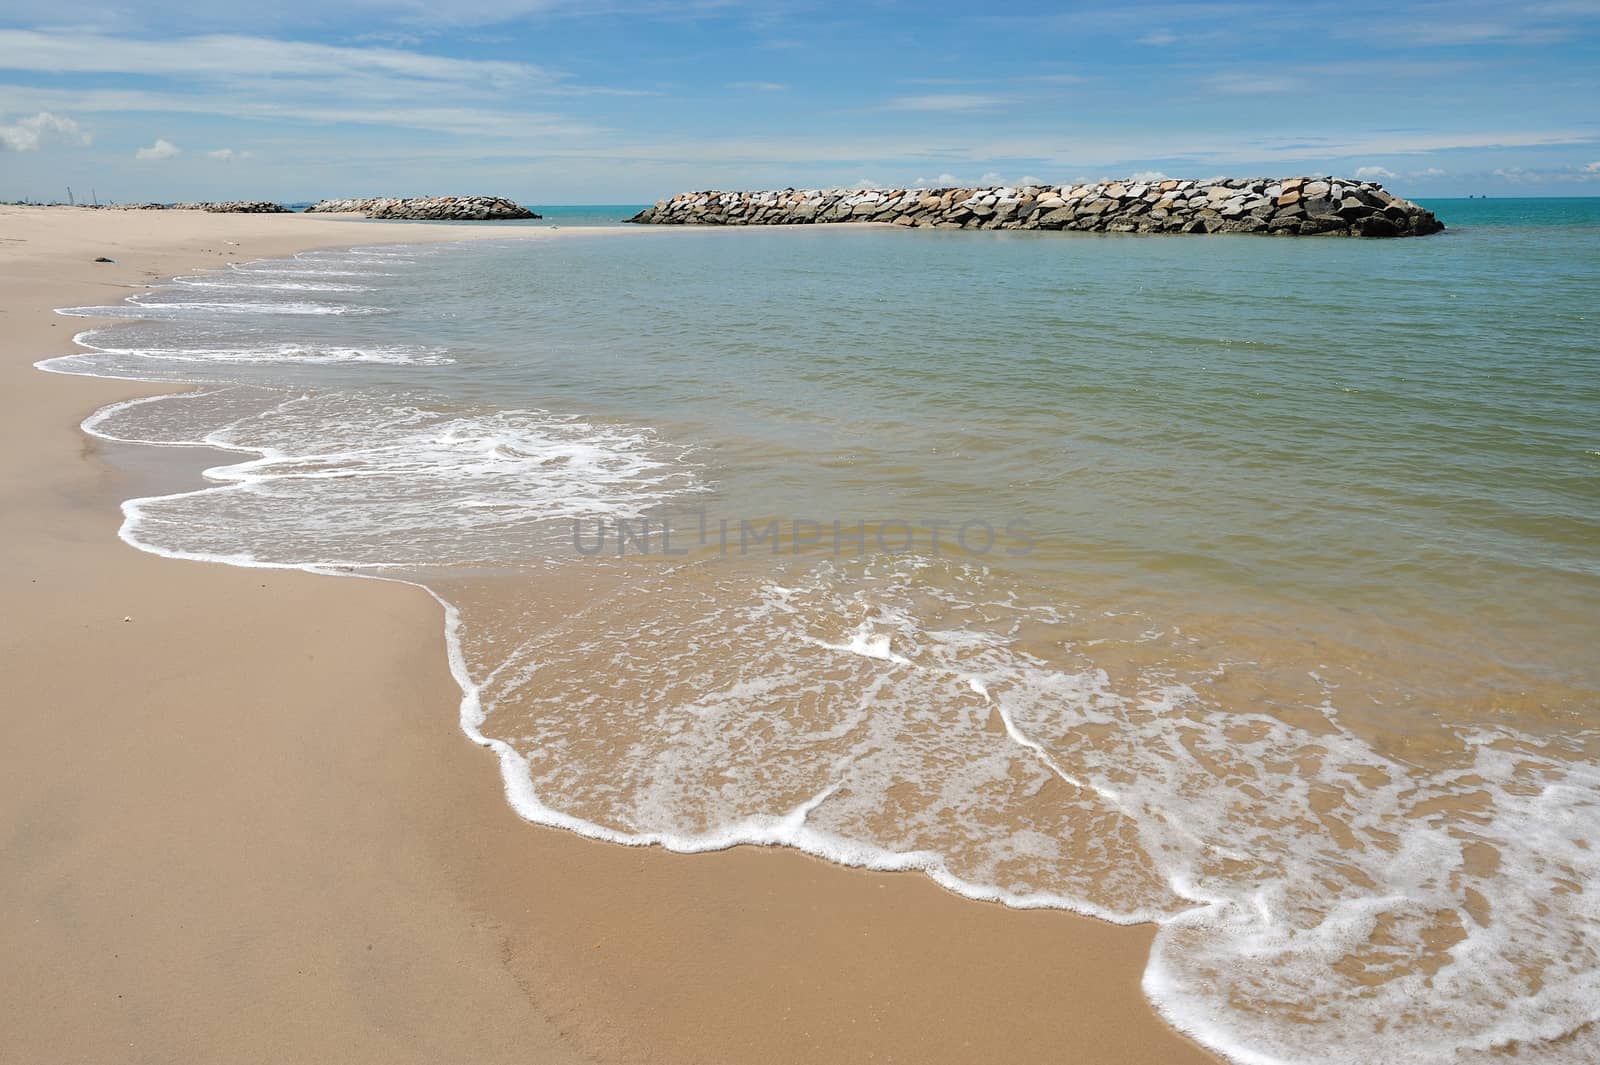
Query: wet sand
204 857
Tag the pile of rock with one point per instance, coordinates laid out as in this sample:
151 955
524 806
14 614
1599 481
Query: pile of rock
1275 206
429 208
235 207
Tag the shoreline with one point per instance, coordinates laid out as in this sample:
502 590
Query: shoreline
232 825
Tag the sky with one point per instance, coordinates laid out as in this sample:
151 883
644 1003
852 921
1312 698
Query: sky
555 102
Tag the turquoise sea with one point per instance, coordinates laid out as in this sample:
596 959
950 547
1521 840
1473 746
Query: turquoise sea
1248 586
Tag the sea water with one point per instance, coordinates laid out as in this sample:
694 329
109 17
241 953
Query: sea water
1246 586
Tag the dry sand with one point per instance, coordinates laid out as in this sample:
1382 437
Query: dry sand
239 822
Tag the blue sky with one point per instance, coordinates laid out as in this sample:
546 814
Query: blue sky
555 102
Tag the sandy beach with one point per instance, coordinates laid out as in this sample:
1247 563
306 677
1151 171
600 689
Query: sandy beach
202 859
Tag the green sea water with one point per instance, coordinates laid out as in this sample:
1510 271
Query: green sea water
1349 420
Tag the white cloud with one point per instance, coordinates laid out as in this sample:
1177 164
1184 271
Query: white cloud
310 106
227 155
1366 173
161 149
1158 39
1029 179
757 86
26 134
1149 175
1430 172
1454 32
865 185
234 57
296 81
945 101
1517 175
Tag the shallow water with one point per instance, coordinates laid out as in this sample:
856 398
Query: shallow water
1243 585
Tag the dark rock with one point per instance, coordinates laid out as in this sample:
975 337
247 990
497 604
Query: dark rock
1351 207
1321 224
1378 226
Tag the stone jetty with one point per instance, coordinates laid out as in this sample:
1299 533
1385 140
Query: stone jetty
428 208
235 207
1296 206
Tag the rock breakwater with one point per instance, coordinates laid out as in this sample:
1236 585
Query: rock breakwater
428 208
1297 206
235 207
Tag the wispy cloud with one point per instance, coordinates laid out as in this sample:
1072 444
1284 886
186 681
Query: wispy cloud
756 86
228 155
227 57
949 102
1452 33
1519 175
296 82
1367 173
1247 83
311 108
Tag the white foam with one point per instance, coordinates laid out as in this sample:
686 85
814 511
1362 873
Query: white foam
306 354
266 269
143 309
867 644
1258 900
270 286
419 486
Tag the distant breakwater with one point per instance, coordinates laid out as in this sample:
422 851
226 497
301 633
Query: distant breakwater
1297 206
235 207
428 208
